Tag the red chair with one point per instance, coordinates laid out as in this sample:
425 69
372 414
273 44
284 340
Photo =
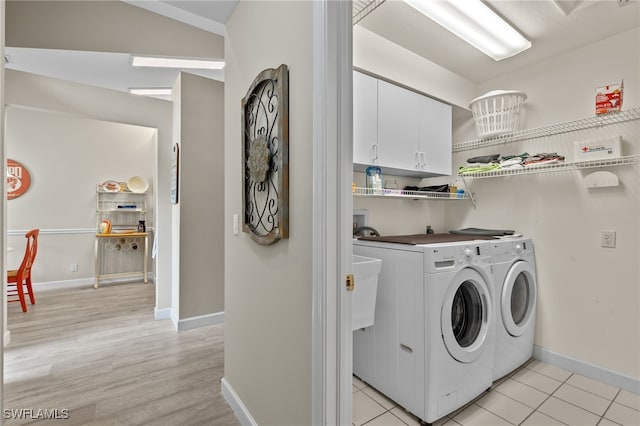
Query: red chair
19 280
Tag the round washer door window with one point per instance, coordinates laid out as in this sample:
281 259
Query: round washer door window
518 299
465 315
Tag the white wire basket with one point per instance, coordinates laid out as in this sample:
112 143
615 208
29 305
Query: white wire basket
497 112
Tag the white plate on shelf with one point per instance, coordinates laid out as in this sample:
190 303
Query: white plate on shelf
110 186
123 231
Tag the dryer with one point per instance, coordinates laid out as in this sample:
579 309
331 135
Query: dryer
516 293
431 348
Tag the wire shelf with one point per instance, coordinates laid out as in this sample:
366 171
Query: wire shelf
414 195
553 129
362 8
555 167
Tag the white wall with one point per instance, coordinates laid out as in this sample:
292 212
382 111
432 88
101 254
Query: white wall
588 305
39 92
199 121
399 216
66 157
268 289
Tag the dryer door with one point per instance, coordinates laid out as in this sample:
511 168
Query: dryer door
518 298
466 312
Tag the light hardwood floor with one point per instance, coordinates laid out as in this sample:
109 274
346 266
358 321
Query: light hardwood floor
102 356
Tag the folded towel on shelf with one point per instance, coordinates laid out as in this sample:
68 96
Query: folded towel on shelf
478 168
505 163
543 158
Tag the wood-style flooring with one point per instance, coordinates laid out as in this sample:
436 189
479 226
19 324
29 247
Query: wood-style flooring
101 355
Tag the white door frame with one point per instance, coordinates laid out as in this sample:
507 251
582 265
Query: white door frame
332 212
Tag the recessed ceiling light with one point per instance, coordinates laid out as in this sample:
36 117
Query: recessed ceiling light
156 92
475 23
166 62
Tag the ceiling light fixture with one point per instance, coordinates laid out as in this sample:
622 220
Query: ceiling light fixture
475 23
156 92
165 62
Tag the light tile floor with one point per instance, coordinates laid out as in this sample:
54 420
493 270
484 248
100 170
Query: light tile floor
537 394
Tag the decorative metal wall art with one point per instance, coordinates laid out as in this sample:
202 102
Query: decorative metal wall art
265 156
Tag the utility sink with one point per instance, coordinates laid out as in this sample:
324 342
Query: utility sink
363 301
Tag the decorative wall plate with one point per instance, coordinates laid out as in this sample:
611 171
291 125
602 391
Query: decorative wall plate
265 156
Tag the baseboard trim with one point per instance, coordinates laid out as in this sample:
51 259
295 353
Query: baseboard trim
594 372
200 321
86 282
7 338
239 409
162 314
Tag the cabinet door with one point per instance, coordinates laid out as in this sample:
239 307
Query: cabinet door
365 119
398 127
435 136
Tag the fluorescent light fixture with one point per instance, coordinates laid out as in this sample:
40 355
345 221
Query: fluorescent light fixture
475 23
156 92
166 62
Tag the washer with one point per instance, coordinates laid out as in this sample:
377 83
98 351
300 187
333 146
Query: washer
515 303
431 348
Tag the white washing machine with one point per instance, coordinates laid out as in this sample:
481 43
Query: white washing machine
431 348
516 293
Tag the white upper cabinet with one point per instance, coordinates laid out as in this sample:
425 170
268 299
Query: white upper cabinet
398 127
435 136
365 119
399 130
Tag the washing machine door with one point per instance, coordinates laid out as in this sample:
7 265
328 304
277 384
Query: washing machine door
466 312
518 298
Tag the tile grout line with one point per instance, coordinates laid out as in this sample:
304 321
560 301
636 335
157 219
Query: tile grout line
586 409
387 410
609 406
545 400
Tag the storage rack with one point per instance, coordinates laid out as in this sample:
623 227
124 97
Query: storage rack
550 130
414 195
555 167
124 209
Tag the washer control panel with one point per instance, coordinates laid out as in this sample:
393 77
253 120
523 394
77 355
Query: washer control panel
446 257
507 251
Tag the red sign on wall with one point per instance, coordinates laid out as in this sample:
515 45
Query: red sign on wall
18 179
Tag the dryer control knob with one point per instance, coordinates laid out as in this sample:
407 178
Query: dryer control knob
518 248
467 253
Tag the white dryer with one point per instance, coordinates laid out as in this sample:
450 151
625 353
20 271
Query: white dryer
516 294
431 348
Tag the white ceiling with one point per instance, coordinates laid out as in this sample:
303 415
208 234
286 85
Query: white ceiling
551 30
113 70
543 22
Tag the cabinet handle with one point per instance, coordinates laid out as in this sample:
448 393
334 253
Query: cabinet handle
423 162
416 158
375 152
406 348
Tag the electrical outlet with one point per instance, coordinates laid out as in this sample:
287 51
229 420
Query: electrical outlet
608 239
73 267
